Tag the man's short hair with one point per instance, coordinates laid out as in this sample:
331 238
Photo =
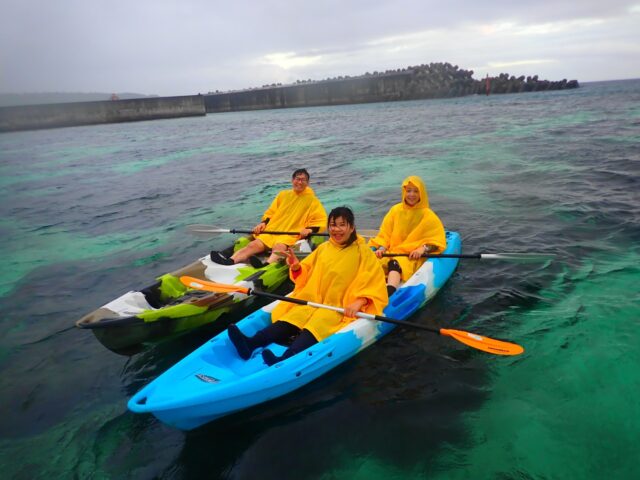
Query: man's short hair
301 170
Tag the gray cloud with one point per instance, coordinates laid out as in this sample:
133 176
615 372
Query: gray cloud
181 47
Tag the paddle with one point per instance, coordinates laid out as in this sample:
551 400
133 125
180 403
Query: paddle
489 345
510 257
201 229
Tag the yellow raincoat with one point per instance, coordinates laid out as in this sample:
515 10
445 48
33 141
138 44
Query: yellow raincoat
406 228
291 212
335 276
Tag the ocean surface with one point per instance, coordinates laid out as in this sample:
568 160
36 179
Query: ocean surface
88 213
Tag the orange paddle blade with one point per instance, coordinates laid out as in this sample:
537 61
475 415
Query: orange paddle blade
497 347
207 286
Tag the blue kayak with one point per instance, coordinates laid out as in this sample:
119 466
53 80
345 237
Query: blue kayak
214 381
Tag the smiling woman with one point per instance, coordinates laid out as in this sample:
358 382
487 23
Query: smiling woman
341 272
410 229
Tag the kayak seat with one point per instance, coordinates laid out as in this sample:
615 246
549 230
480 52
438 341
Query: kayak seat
152 295
128 305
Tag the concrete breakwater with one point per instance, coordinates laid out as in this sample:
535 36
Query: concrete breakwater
31 117
436 80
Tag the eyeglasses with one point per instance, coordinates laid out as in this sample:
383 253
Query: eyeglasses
300 179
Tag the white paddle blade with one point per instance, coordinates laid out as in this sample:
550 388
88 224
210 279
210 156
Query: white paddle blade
519 257
205 230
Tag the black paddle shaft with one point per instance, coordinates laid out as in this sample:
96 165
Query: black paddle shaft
437 255
233 230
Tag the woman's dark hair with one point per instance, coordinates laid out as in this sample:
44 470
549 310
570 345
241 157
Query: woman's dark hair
301 170
347 215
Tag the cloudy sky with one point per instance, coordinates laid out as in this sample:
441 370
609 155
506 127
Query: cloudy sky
181 47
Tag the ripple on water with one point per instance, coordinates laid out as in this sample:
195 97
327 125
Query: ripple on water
543 172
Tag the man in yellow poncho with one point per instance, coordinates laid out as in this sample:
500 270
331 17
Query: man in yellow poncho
297 210
412 228
342 272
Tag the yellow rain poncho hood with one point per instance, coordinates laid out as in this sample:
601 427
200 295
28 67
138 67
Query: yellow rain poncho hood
291 212
334 275
424 198
406 228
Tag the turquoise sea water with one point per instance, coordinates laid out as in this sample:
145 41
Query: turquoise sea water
88 213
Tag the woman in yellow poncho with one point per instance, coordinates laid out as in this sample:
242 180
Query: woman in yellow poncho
342 272
412 228
297 210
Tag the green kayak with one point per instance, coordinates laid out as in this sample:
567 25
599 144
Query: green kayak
168 308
